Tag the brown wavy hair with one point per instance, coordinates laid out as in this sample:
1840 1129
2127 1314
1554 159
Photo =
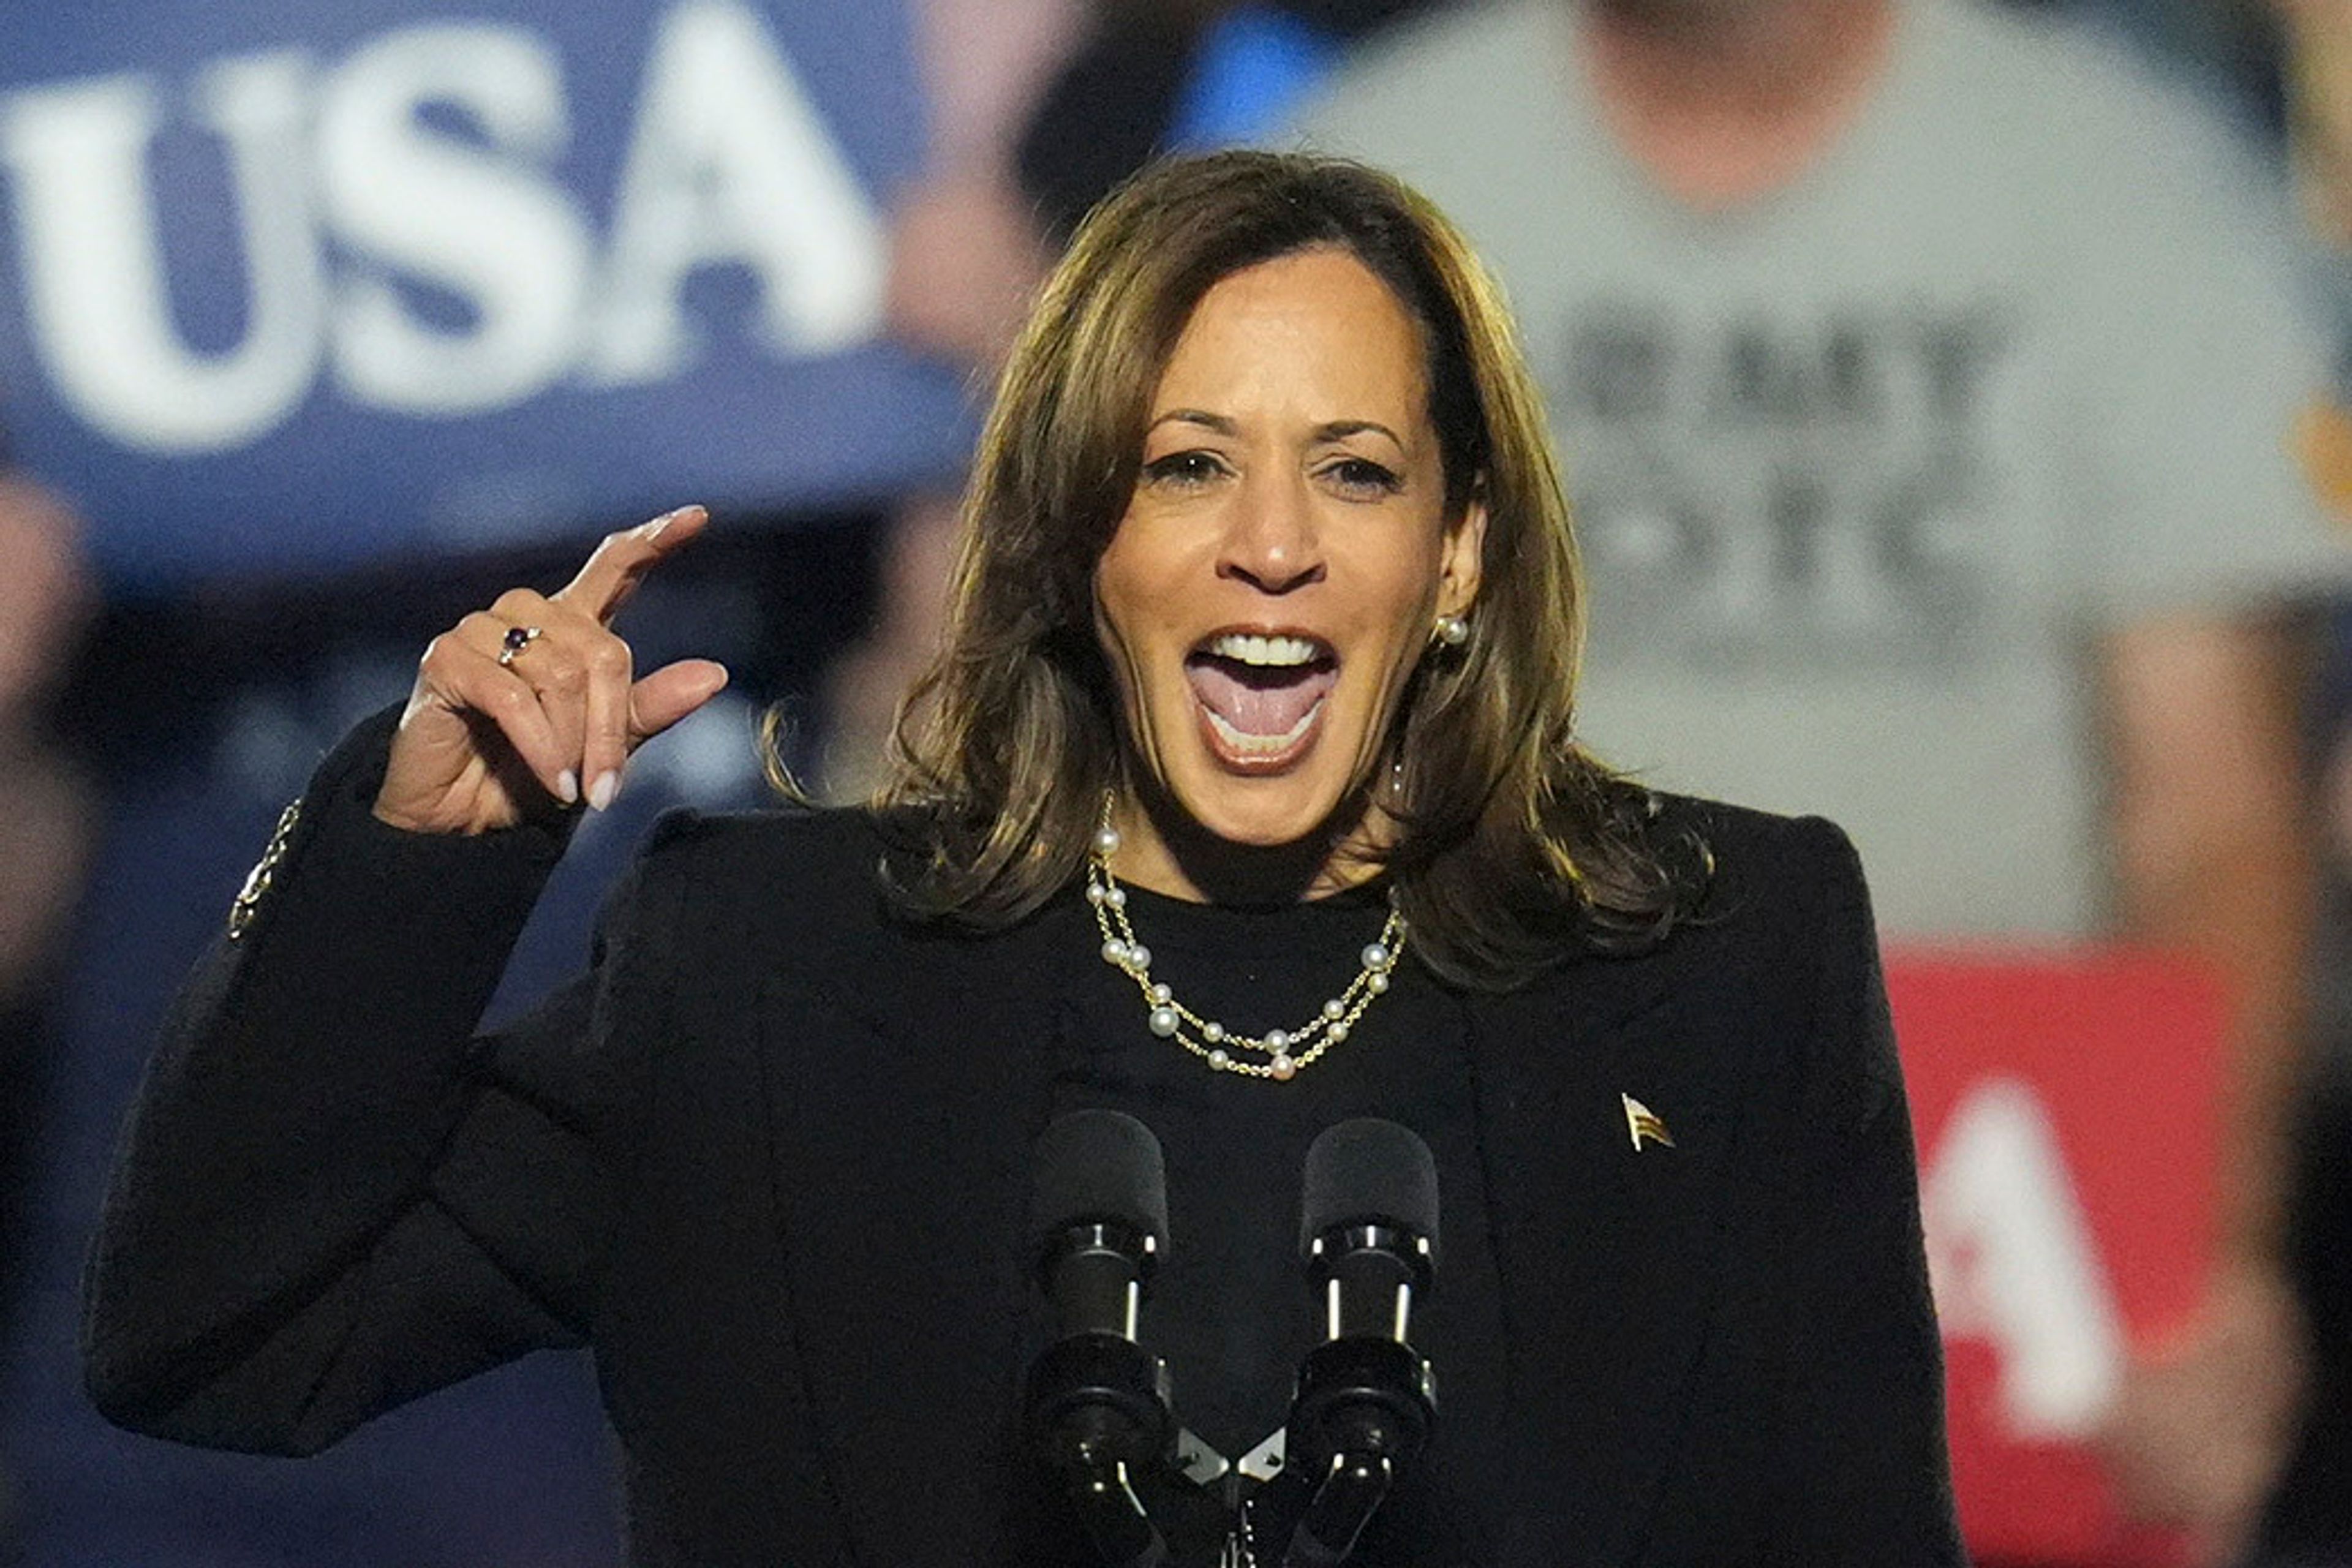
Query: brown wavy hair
1513 845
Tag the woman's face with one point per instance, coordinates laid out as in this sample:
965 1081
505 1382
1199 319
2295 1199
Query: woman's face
1280 565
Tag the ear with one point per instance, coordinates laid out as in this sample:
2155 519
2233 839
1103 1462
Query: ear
1461 561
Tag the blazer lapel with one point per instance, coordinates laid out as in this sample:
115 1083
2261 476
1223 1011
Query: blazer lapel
903 1164
1605 1245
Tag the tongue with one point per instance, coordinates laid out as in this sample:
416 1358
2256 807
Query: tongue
1258 701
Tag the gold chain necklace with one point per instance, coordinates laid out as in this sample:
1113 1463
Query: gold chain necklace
1285 1050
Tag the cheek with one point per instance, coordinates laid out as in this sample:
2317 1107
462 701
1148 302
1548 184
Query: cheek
1133 586
1407 601
1120 636
1107 588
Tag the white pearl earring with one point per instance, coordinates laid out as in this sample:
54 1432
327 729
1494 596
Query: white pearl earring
1452 630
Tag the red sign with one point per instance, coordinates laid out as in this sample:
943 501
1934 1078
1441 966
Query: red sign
2066 1109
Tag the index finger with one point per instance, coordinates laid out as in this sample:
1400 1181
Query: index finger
613 572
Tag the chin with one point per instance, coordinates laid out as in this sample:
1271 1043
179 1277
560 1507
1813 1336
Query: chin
1261 824
1261 811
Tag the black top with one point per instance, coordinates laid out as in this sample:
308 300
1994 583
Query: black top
768 1158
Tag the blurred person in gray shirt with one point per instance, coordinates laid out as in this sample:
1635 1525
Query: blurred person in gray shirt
1926 379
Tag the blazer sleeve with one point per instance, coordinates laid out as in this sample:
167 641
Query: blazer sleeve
331 1196
1860 1473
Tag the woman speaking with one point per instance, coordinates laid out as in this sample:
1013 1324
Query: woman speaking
1245 799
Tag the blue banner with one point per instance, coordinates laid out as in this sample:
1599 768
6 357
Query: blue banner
289 287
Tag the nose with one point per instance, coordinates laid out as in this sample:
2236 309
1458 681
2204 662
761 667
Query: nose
1271 541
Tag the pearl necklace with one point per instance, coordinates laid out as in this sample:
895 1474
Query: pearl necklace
1285 1050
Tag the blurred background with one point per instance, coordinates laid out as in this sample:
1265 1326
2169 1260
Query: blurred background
1953 393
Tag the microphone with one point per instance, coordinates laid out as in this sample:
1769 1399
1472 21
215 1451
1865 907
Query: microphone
1096 1404
1366 1399
1368 1225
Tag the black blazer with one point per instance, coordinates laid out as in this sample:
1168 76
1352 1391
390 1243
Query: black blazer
789 1225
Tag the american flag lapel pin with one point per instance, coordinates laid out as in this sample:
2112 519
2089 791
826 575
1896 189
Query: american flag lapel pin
1641 1122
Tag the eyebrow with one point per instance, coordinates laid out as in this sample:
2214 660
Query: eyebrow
1340 427
1217 422
1332 430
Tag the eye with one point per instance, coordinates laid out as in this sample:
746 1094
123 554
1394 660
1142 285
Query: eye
1363 479
1184 471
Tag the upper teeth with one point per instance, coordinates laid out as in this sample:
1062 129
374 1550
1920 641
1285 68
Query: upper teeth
1275 650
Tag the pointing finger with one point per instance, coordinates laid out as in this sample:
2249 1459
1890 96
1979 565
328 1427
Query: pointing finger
620 561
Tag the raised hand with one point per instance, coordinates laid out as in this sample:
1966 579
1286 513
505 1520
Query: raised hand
533 704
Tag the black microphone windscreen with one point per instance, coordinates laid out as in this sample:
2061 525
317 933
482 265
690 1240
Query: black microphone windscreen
1368 1172
1099 1165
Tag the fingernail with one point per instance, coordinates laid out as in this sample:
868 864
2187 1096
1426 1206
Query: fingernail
567 786
601 793
653 529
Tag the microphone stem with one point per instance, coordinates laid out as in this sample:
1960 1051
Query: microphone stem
1368 1291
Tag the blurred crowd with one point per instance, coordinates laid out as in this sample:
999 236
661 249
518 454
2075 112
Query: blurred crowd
1956 399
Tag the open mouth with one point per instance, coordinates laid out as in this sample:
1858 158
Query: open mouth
1261 693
